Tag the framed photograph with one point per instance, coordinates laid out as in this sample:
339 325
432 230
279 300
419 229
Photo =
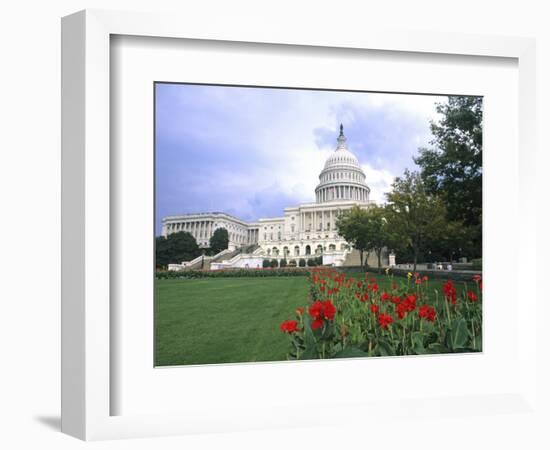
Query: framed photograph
353 265
250 215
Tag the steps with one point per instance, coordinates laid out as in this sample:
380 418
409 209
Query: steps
353 259
219 258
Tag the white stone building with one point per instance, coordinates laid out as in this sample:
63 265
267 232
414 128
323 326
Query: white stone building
303 231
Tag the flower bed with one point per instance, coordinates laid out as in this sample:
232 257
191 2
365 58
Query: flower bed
351 317
265 272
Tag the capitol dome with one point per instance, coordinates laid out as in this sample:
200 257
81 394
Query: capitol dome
342 178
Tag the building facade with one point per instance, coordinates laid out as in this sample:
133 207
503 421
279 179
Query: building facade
302 231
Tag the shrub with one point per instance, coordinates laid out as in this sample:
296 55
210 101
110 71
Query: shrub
312 262
231 273
436 274
283 263
266 263
477 264
292 263
274 263
302 262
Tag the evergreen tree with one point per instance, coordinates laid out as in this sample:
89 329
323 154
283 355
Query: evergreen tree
219 240
175 248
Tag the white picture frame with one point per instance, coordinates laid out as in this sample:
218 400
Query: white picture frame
87 385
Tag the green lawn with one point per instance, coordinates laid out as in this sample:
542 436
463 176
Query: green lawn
227 320
224 319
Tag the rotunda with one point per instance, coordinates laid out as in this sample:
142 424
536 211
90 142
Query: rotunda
342 177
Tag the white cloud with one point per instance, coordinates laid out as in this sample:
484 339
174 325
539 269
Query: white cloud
280 129
379 181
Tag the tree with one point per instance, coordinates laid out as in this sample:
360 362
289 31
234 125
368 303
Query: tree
175 248
352 226
415 217
452 167
219 240
377 233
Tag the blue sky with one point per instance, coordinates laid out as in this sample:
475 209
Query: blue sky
251 152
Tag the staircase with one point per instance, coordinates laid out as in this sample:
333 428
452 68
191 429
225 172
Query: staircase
370 258
222 256
204 262
353 258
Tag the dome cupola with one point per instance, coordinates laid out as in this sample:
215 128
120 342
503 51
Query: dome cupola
342 178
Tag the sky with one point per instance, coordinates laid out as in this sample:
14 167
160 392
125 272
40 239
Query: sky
251 152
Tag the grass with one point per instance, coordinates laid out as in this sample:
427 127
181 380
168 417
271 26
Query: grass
229 320
224 320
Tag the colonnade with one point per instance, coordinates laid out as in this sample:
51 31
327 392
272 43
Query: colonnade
342 192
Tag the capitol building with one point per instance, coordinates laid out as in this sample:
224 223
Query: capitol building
303 231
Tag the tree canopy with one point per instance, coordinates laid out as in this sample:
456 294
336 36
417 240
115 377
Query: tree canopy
352 227
365 229
415 217
175 248
219 240
452 167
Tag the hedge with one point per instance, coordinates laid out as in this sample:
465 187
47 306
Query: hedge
184 274
439 274
477 264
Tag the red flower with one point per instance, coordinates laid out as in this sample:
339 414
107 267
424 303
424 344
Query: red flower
322 310
406 306
373 287
364 298
416 274
418 281
396 299
374 308
449 291
316 309
472 296
385 296
359 284
300 311
289 326
373 280
384 320
322 288
476 278
394 286
426 312
330 310
317 323
425 278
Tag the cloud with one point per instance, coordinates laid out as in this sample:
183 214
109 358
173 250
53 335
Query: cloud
251 152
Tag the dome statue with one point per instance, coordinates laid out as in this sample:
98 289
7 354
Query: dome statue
342 178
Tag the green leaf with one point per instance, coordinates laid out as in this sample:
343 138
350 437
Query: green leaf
310 353
309 338
350 352
436 347
384 348
417 339
459 334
